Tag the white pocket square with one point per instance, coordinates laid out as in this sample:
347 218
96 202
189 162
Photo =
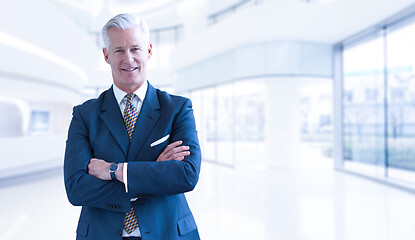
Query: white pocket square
160 140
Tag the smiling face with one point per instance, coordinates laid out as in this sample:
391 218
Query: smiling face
127 54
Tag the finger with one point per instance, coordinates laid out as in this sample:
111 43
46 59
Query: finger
173 145
176 152
180 155
171 149
178 149
94 161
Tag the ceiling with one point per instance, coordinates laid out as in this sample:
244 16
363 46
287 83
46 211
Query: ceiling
92 14
55 40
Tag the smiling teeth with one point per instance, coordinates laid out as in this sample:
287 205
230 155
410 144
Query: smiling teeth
130 69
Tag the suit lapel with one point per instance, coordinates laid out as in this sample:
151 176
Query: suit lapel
112 117
149 114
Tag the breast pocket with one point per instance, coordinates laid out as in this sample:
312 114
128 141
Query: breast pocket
160 141
156 146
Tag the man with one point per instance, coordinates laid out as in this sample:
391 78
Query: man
132 152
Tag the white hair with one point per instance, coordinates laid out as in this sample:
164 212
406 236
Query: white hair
125 21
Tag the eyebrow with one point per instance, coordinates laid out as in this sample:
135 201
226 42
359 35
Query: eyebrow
135 45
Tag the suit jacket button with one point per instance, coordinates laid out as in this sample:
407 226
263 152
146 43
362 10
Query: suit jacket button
119 232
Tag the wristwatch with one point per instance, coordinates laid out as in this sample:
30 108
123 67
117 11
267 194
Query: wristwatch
113 168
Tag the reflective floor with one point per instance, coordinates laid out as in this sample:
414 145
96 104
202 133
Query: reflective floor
311 202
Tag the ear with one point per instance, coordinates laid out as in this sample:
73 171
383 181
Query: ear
150 51
105 52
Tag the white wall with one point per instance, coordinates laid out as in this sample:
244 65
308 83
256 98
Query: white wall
45 62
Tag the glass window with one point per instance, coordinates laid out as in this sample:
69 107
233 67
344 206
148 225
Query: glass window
249 125
372 95
225 124
348 96
316 108
208 124
363 105
379 103
39 122
325 120
401 102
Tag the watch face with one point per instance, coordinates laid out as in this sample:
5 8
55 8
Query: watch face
114 167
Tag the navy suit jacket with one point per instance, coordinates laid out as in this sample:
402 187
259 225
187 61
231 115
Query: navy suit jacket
97 130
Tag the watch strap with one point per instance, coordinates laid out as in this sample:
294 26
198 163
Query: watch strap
113 177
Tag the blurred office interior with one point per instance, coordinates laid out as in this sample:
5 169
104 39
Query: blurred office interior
305 111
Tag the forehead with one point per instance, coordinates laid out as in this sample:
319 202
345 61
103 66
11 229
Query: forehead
120 37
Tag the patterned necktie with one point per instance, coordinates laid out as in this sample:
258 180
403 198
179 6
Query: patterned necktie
130 115
130 118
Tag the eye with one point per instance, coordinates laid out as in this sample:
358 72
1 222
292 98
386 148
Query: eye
118 51
136 49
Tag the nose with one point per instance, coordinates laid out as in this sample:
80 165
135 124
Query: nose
129 57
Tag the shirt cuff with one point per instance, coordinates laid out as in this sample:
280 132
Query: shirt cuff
124 177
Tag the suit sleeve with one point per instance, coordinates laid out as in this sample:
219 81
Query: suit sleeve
83 189
170 177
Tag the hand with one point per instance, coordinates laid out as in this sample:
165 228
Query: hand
174 151
100 169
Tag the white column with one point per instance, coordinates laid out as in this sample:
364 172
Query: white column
282 122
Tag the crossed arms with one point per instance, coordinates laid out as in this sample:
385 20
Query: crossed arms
100 168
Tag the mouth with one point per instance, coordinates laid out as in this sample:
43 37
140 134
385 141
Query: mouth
129 69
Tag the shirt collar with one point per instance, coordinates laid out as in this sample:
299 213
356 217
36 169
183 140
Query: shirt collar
140 92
